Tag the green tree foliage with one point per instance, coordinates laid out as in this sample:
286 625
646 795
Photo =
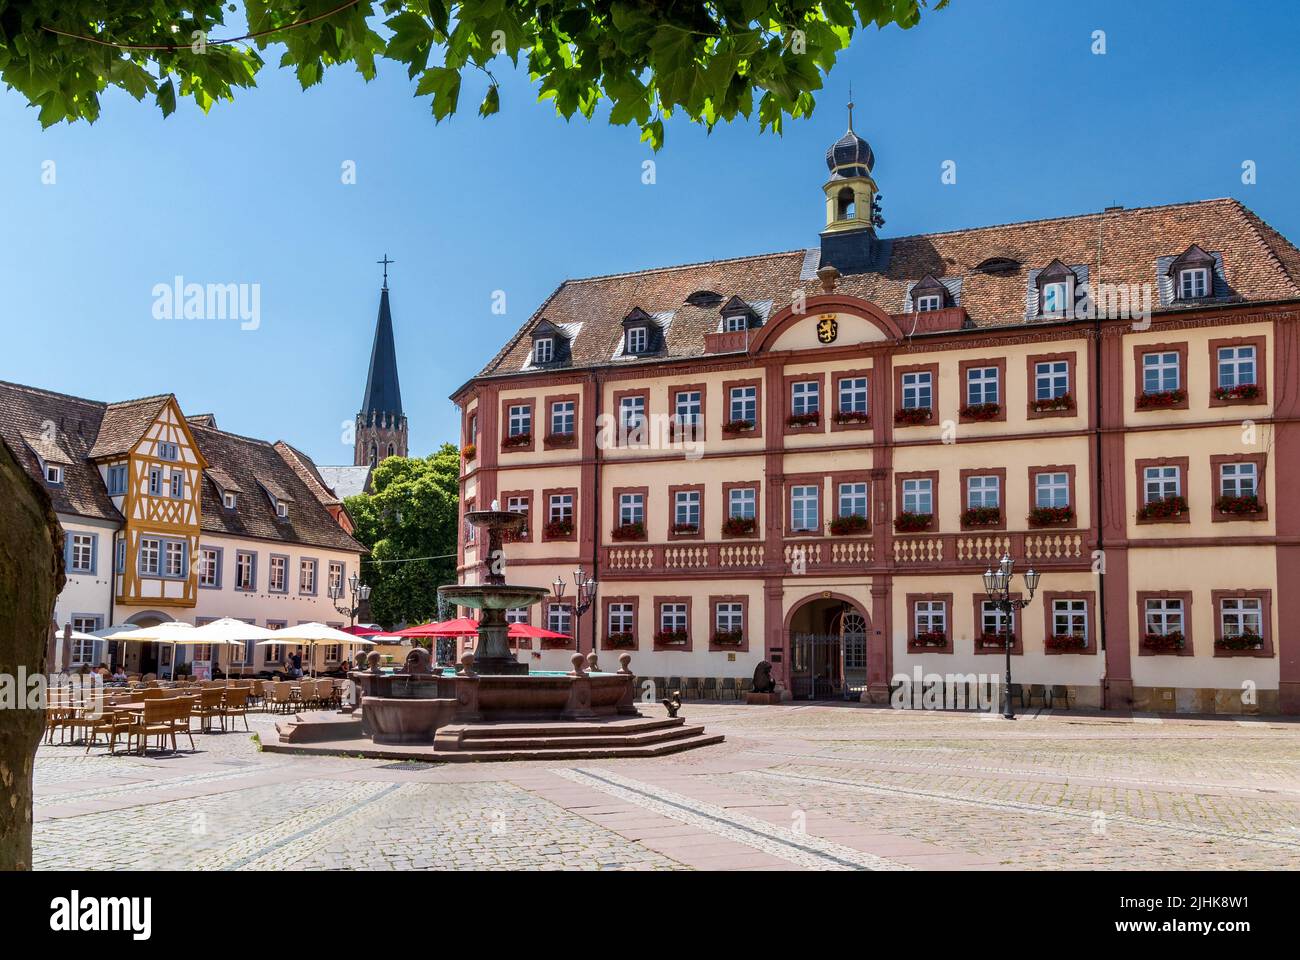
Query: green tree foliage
711 61
412 512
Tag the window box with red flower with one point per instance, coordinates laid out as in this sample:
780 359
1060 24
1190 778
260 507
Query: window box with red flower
1161 399
558 529
1067 641
911 416
739 526
849 525
913 522
671 637
1047 404
686 529
843 417
1240 641
994 641
469 452
629 531
981 411
735 427
626 639
729 637
1163 641
981 517
1166 508
803 419
1241 392
1238 506
517 440
928 640
1051 516
560 439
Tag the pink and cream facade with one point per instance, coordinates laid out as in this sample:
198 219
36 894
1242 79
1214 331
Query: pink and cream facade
811 458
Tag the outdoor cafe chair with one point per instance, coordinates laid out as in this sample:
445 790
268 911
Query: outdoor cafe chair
108 722
325 692
162 719
236 705
280 696
58 712
208 706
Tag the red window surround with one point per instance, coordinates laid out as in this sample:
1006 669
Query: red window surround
603 628
1049 620
793 480
1018 624
1140 467
962 402
703 390
544 513
743 600
1260 461
823 407
1001 474
757 384
531 404
673 490
831 403
912 600
933 370
1142 349
727 487
1260 344
615 520
1071 375
630 438
551 441
1266 617
526 535
1142 597
690 632
933 476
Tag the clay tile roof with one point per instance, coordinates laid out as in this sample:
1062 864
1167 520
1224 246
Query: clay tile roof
308 472
125 423
274 489
47 449
223 480
1117 246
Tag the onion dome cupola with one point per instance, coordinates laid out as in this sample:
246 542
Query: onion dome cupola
852 211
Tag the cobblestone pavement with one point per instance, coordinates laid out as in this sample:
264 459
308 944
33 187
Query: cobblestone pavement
838 787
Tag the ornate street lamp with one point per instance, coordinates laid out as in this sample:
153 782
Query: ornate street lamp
584 597
359 592
997 587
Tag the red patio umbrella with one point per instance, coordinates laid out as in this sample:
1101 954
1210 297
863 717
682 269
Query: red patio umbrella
360 631
519 631
460 627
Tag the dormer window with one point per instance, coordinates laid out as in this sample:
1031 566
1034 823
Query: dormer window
229 500
543 350
638 340
1054 295
928 302
1193 284
929 294
282 510
551 344
53 474
734 323
1055 290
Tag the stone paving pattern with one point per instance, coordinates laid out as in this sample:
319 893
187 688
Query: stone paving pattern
837 787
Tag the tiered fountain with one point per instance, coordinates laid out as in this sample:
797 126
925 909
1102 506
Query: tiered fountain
491 707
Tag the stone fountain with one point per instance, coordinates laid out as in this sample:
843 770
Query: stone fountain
491 706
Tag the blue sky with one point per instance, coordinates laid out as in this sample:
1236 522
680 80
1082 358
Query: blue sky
1037 124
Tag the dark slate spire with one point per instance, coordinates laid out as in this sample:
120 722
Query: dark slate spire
383 395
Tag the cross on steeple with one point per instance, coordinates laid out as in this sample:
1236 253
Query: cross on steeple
385 262
850 111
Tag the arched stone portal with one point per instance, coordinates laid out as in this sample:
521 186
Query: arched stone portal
146 656
826 642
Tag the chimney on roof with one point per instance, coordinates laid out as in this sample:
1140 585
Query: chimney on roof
1119 206
828 275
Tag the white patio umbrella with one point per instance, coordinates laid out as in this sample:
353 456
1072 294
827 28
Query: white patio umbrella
229 632
169 631
311 635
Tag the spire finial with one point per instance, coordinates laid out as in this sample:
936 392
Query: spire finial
385 262
850 106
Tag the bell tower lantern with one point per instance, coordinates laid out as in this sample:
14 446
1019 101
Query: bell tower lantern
852 214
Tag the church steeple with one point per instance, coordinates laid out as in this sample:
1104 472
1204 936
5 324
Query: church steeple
852 215
381 429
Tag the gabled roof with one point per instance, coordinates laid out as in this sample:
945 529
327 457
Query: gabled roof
125 423
1117 246
308 472
225 483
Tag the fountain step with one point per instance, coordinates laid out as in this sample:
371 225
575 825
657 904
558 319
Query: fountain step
603 726
427 752
459 737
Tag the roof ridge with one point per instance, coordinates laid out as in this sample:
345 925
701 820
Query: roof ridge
235 436
1255 221
688 266
129 403
28 388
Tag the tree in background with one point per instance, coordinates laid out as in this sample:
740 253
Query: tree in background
647 60
411 513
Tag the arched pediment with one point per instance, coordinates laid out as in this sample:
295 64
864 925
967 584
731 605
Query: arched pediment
855 321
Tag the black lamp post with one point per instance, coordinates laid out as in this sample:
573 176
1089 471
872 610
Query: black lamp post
584 597
997 587
360 593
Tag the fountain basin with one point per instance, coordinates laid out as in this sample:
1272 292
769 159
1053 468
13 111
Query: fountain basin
406 719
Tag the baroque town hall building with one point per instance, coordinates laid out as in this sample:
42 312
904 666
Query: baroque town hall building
818 453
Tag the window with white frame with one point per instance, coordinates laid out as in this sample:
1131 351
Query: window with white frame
687 407
155 482
852 500
620 618
1055 297
1070 618
1051 379
993 619
543 350
1160 483
931 617
918 495
559 507
928 301
520 420
729 616
805 397
853 395
803 508
228 500
519 505
742 503
735 323
53 474
173 559
631 508
672 617
559 617
981 385
1194 283
1241 617
281 509
1160 372
83 651
245 571
517 615
686 508
1164 616
81 553
209 567
279 582
306 576
1051 490
917 390
631 413
562 416
150 555
335 583
744 404
984 491
638 338
1238 480
1236 366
